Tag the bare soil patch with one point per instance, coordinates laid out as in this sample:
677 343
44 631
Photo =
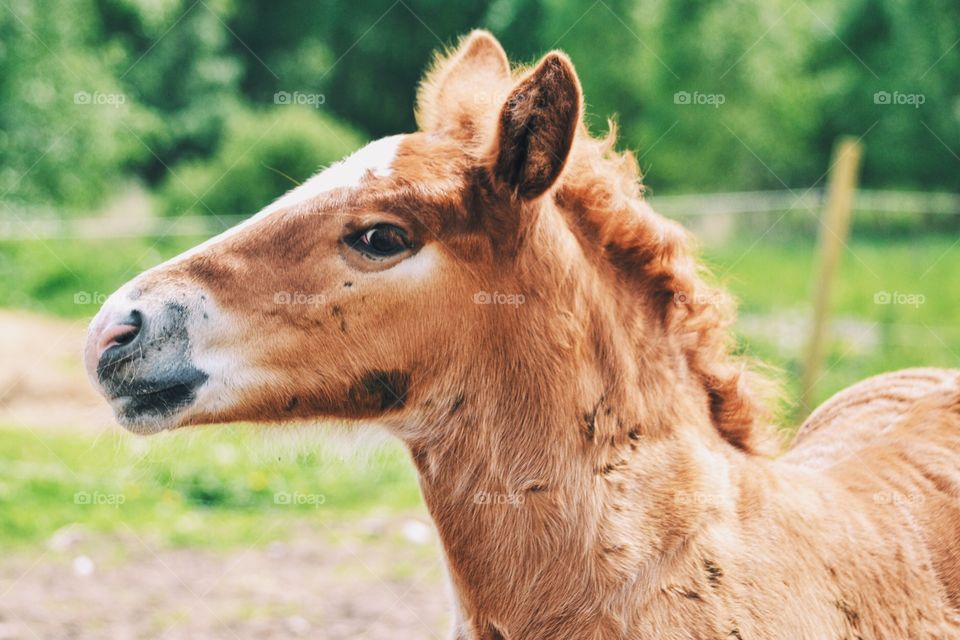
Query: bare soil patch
373 579
42 382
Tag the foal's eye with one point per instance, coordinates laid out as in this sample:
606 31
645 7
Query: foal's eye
379 241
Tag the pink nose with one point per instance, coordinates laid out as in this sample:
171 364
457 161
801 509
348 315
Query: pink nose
107 332
117 334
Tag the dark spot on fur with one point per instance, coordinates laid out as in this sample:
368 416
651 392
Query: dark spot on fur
336 311
714 572
457 403
292 404
692 595
347 284
590 419
380 391
343 325
735 634
537 488
606 469
849 613
493 633
633 434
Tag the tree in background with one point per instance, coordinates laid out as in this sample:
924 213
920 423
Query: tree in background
176 62
61 107
892 75
712 94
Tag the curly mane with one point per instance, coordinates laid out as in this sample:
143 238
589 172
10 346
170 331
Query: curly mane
604 189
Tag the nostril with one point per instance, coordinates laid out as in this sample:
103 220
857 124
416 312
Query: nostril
134 322
126 338
120 334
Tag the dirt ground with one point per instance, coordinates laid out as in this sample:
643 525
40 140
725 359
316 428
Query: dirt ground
364 579
358 581
42 383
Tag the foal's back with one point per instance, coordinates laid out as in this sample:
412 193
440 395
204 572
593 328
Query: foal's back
896 438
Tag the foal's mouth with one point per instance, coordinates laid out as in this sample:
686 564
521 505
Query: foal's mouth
155 401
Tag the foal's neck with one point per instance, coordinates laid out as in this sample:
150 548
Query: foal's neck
555 484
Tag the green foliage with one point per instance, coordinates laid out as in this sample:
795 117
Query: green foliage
769 85
261 155
72 279
891 75
62 110
176 63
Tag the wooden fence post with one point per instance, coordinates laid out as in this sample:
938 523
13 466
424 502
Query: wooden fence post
834 231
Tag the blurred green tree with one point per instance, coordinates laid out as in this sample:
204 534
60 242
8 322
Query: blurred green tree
62 138
712 94
891 73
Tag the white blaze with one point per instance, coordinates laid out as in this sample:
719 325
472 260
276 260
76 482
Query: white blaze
376 158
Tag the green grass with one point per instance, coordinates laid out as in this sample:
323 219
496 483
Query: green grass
72 278
219 487
776 278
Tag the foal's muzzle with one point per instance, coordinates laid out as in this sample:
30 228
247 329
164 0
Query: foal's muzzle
138 355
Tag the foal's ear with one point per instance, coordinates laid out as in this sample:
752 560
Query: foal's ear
457 88
536 128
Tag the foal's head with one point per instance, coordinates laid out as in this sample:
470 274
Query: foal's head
467 250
